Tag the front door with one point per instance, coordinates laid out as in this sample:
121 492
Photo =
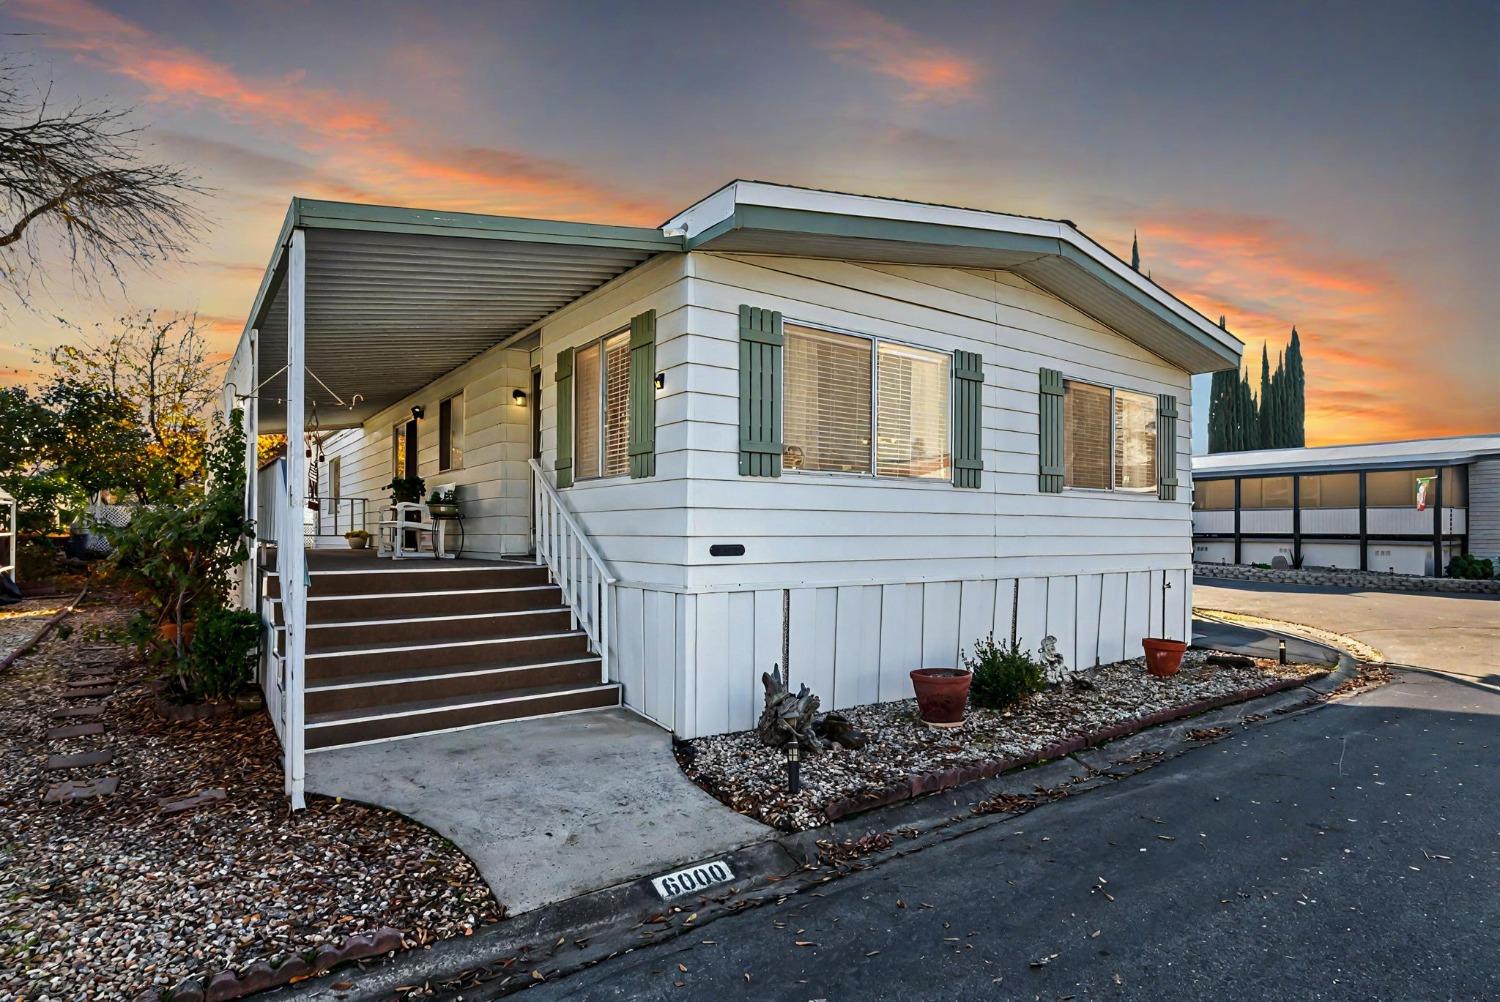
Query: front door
410 471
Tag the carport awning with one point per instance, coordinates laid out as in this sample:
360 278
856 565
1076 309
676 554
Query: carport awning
395 298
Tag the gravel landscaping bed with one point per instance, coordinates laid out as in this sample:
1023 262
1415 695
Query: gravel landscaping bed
751 778
101 899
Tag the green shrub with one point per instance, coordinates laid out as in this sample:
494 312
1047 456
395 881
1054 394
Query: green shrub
1466 565
1003 675
224 653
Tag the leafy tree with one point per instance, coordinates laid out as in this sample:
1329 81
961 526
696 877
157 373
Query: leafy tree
74 184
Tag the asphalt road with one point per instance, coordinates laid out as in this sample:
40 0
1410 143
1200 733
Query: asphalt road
1348 853
1452 633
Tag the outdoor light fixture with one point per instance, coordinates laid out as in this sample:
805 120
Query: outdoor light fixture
661 380
793 768
417 412
519 396
1281 651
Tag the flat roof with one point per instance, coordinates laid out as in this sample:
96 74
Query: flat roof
1363 456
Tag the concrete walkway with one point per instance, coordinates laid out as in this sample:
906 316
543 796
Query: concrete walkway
546 808
1458 635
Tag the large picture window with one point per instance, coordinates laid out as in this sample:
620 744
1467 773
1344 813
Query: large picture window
853 404
602 408
1109 438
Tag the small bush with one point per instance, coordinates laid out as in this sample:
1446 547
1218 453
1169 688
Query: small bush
1466 565
1003 675
223 655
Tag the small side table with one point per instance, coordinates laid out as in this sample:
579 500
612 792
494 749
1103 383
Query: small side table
445 525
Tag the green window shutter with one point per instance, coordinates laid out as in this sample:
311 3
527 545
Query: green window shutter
761 339
564 463
643 395
968 413
1050 447
1166 447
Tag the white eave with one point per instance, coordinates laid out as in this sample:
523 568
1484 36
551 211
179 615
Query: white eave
757 217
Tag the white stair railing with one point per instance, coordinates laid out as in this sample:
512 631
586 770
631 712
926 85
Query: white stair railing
585 579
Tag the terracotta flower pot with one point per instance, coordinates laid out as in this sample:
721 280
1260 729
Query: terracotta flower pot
1163 656
942 694
357 542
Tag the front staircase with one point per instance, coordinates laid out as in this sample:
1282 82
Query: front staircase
400 648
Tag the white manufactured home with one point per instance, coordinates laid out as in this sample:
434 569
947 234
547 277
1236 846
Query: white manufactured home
850 434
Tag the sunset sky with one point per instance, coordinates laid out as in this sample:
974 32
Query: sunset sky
1331 166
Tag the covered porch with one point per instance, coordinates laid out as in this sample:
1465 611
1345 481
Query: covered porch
362 315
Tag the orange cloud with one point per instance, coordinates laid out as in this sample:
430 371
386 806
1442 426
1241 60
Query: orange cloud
1367 378
874 42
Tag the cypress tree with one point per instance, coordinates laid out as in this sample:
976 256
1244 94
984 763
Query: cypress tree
1264 435
1297 393
1220 404
1247 420
1135 251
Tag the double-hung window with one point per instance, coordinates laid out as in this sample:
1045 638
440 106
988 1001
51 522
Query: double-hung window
602 407
853 404
1109 438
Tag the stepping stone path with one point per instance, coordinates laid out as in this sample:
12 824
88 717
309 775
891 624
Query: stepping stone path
86 710
93 692
83 789
100 757
74 731
88 681
176 805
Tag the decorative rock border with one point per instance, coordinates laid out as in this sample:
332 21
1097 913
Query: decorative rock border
919 784
1333 578
261 975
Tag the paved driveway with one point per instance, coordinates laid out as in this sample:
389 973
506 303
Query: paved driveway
1348 853
1455 634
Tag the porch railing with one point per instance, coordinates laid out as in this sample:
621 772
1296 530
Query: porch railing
585 579
335 516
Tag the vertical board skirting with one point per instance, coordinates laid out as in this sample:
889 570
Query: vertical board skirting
1005 608
1062 615
968 419
1166 447
1050 429
767 644
563 466
1031 613
1086 618
642 395
761 341
976 614
1112 618
940 617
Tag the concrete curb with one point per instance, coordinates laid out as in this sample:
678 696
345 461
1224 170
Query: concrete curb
560 939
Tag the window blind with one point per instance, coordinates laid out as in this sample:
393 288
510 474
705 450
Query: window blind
1135 441
617 405
911 413
826 409
1086 435
586 377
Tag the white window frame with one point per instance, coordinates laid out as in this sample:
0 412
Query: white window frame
463 430
1138 492
600 406
875 342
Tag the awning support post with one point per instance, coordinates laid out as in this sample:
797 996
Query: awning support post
291 558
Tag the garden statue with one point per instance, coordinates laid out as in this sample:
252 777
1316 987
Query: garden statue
1052 662
787 718
835 728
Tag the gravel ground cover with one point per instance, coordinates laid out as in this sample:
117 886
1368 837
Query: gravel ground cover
99 900
751 778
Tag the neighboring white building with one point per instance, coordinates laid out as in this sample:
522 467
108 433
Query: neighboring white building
1351 506
863 431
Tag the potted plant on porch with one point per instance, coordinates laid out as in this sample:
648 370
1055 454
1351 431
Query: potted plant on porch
406 489
443 503
358 539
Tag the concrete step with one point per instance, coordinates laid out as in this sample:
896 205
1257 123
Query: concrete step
464 682
358 660
326 730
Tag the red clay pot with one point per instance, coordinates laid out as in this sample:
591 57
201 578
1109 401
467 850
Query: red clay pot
1163 656
942 694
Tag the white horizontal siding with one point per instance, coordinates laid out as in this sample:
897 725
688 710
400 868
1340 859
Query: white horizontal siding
1484 508
1213 521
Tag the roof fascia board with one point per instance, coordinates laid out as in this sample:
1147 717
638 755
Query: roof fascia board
390 219
1262 473
266 291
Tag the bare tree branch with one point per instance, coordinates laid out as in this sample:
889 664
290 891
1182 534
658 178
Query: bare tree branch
76 182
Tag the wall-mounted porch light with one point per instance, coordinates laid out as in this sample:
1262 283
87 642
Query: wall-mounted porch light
661 380
519 396
417 412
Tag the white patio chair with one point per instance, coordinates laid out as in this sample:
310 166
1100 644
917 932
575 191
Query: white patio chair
393 533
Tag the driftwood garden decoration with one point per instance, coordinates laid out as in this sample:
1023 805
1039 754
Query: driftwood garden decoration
793 718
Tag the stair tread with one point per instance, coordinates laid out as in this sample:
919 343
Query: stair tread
397 647
419 675
431 705
437 617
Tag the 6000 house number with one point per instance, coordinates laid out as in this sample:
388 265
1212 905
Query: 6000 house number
694 878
